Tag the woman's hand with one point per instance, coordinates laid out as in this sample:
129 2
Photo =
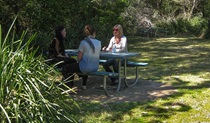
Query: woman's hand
66 55
104 48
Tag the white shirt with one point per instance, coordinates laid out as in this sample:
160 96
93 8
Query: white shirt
120 47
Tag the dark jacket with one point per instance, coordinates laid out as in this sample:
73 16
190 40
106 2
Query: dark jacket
52 50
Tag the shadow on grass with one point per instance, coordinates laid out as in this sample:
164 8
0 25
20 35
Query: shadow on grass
167 110
180 62
116 112
114 109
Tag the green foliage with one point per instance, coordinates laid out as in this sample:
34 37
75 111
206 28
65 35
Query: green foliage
195 26
206 12
164 7
198 25
26 92
206 9
43 16
166 26
102 14
182 25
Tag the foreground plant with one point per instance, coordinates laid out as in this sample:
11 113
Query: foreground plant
26 93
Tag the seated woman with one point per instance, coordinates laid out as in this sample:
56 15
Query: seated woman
57 50
118 43
87 59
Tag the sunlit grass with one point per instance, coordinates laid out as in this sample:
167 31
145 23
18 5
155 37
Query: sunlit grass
199 103
180 61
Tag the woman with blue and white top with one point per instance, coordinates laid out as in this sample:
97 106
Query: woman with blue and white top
87 59
118 43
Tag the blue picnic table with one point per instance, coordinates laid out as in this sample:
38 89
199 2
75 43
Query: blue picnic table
118 57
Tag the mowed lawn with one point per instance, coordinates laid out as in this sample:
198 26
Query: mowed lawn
180 61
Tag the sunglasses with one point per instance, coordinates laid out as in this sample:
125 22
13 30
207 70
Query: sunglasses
115 29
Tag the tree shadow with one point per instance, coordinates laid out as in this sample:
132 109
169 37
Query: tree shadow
169 59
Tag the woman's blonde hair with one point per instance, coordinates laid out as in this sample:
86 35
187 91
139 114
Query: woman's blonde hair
120 29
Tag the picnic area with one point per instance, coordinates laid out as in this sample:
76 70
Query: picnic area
175 80
160 50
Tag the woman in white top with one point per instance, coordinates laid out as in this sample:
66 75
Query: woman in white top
118 43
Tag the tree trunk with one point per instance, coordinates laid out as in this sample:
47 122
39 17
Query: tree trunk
191 9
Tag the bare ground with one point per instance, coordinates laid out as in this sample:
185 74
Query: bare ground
142 91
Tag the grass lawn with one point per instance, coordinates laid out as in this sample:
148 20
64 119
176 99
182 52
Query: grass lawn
180 61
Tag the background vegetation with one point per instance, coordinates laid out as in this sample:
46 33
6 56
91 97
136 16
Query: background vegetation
42 16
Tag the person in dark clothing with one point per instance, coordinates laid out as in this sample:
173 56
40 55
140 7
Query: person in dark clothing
57 49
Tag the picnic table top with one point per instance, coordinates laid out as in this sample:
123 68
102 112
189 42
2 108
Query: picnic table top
107 54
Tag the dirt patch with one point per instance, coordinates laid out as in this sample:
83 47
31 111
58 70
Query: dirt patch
142 91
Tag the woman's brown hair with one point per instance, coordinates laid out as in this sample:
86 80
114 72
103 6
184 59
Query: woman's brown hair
90 28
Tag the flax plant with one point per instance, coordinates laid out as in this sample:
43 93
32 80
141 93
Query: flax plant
26 93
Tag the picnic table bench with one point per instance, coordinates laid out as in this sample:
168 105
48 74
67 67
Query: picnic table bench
130 64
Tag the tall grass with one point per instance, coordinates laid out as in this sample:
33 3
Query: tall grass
26 93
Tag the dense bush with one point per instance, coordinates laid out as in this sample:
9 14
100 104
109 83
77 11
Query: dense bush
198 26
28 93
167 26
195 26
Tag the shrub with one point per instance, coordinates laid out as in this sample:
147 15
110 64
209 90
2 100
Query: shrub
166 27
198 25
195 26
26 93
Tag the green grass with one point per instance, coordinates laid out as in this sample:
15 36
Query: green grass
180 61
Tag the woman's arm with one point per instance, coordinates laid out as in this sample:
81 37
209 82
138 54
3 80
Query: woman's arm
79 56
57 48
66 55
81 49
109 48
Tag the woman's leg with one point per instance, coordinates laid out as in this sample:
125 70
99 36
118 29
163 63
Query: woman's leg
68 71
115 67
70 60
107 64
84 79
64 61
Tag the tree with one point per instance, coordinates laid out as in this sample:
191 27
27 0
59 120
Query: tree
43 16
206 14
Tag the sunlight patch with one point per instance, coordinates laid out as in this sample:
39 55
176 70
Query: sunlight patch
195 79
171 39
